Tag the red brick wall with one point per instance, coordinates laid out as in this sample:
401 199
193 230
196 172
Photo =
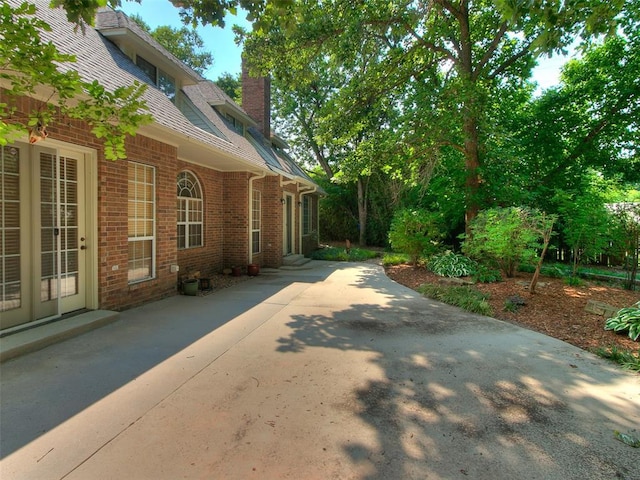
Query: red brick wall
256 100
115 291
209 258
235 221
226 217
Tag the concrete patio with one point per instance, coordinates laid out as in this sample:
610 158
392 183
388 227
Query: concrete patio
332 372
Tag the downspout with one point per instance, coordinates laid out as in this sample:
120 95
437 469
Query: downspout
250 211
306 192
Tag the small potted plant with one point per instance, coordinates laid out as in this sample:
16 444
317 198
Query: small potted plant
190 287
253 269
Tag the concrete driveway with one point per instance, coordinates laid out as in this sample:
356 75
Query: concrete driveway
330 373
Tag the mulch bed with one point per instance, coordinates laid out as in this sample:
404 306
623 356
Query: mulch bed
556 309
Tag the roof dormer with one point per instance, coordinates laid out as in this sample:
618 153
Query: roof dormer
162 67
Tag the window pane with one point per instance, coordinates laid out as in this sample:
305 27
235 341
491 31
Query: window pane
141 212
181 236
255 242
190 211
167 85
10 284
147 68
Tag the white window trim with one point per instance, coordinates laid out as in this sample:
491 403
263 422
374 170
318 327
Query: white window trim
187 223
256 218
307 215
152 273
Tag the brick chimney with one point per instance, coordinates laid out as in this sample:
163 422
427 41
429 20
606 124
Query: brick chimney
256 99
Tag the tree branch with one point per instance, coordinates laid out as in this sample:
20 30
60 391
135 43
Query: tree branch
510 61
491 50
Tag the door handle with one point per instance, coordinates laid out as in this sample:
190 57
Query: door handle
83 247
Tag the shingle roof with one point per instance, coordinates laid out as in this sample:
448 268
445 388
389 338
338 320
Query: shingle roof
108 19
253 145
101 60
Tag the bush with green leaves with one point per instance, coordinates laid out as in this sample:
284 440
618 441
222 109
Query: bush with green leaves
415 232
484 274
450 264
503 238
467 298
627 319
341 254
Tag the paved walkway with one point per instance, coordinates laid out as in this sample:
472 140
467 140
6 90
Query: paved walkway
331 373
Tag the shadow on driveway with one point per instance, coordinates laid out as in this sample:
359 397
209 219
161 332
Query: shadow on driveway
466 395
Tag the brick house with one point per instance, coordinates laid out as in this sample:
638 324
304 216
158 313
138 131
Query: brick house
206 186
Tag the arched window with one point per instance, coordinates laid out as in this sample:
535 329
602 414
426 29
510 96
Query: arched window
190 216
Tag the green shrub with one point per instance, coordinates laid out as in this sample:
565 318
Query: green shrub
390 259
504 237
485 274
627 319
553 270
450 264
336 254
466 298
626 358
416 233
573 281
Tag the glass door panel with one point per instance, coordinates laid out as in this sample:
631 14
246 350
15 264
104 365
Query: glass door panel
12 274
61 263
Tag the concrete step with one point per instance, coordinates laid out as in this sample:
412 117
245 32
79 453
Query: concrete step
295 260
20 340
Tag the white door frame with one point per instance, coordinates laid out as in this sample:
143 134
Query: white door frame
288 224
30 241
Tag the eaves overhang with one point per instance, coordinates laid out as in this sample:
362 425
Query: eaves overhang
193 150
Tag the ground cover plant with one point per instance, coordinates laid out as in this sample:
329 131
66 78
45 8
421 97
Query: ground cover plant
626 320
341 254
389 259
450 264
466 298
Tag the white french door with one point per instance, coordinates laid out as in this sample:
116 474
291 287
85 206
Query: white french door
42 232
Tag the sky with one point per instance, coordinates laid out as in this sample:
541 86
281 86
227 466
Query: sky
220 42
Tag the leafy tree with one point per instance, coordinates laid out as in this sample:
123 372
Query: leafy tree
416 233
192 11
542 224
185 43
29 64
626 238
586 223
504 237
446 57
231 85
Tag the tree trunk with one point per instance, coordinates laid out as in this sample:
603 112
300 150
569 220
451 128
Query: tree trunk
362 210
470 117
546 237
472 164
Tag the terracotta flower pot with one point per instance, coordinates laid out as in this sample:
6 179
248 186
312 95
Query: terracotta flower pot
253 269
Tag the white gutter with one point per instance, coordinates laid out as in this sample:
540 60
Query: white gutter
250 211
306 192
288 182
